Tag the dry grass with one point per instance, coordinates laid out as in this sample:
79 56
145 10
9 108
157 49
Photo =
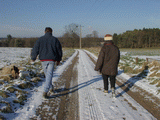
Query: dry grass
158 85
158 75
21 99
4 94
156 82
153 74
6 78
155 67
128 69
67 52
11 89
94 50
9 72
36 79
6 70
155 64
7 109
1 82
158 91
25 85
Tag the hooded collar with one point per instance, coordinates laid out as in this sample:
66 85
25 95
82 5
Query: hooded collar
48 33
108 43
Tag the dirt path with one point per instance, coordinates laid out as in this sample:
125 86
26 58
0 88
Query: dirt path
64 104
145 99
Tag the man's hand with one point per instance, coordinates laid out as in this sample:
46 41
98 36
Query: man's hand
32 61
58 62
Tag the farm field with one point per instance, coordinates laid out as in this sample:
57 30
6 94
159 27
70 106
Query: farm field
143 53
22 97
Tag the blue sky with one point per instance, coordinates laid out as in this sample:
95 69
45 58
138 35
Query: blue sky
28 18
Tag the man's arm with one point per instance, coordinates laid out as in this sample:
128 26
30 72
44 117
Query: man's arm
59 50
100 60
35 51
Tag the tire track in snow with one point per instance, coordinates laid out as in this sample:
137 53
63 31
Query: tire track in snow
104 113
106 107
88 100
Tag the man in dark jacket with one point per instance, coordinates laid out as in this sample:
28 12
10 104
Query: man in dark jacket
49 50
107 63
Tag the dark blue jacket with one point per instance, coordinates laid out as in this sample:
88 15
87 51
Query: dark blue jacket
47 47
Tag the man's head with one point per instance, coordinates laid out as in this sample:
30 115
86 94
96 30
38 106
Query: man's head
48 29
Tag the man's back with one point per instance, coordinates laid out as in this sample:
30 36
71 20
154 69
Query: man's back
111 54
48 47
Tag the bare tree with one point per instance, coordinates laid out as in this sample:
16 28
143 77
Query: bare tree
71 35
89 35
72 29
95 34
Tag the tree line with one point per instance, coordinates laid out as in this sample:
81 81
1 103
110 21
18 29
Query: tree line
144 38
72 42
17 42
70 38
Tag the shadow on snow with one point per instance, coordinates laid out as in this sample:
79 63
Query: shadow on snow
65 91
130 82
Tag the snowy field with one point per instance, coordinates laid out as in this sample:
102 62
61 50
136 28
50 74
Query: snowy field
143 53
13 55
94 104
150 57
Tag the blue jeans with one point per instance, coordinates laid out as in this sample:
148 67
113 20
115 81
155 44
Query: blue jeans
48 67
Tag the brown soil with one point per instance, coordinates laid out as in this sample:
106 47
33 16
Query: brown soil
64 104
145 99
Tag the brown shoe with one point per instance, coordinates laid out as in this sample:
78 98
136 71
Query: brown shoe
45 95
113 93
105 91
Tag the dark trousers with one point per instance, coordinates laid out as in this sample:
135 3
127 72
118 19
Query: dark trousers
112 81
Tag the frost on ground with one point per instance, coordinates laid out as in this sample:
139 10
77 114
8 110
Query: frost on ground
13 55
93 103
20 97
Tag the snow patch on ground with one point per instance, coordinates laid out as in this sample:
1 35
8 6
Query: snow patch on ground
29 109
93 102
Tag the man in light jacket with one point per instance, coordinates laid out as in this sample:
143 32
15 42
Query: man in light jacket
107 63
49 50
